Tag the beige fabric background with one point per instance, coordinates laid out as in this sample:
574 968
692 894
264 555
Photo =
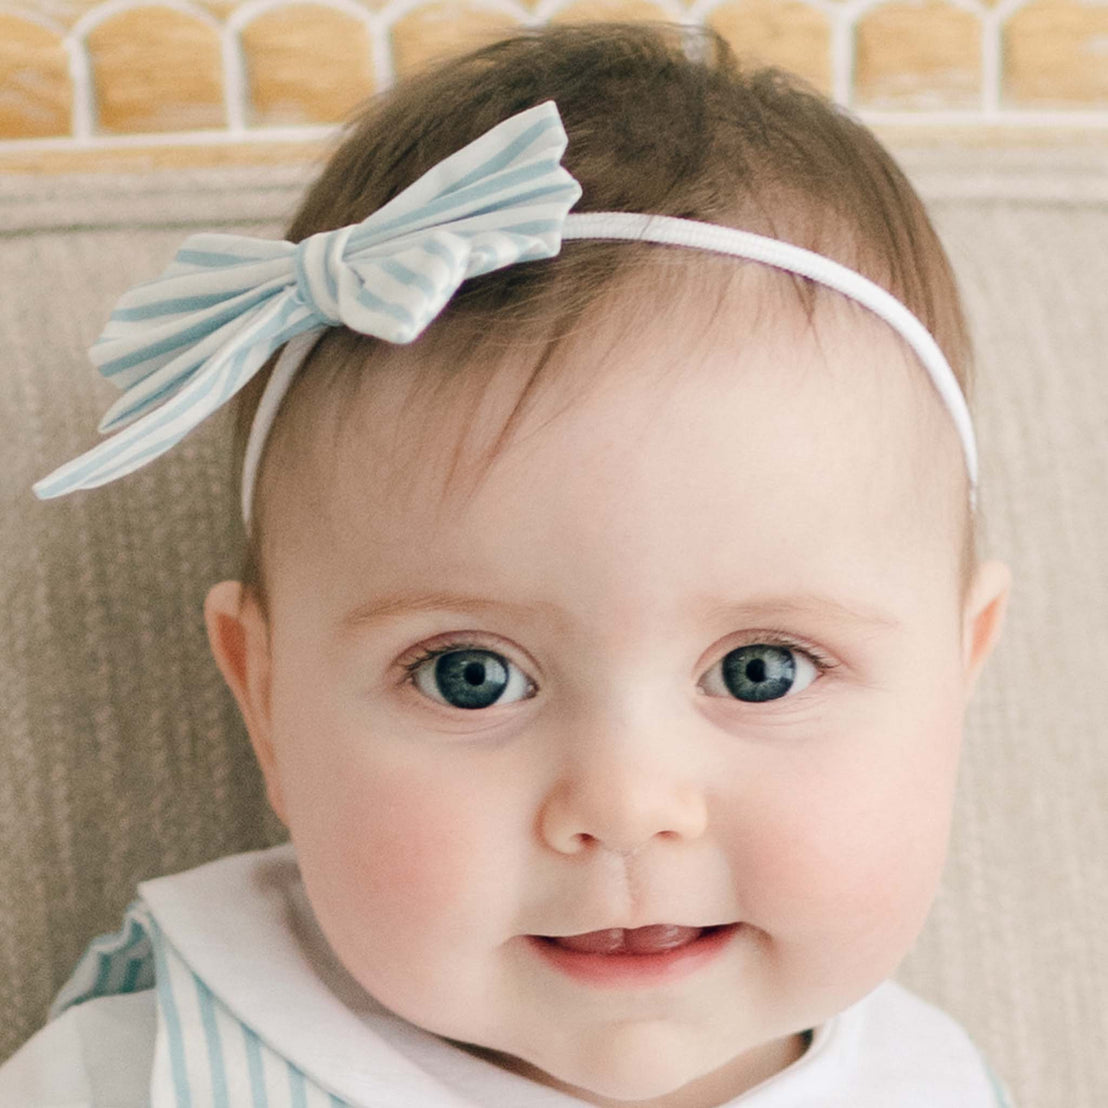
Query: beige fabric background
121 756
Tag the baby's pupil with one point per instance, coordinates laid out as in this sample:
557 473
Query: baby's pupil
470 678
756 670
759 672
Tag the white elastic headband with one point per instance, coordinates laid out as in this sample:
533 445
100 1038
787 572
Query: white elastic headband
636 227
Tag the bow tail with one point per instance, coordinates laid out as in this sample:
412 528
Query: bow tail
210 387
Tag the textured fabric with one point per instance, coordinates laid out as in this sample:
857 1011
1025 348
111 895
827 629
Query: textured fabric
254 1011
122 757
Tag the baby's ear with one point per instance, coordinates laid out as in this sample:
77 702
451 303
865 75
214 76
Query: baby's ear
239 638
983 618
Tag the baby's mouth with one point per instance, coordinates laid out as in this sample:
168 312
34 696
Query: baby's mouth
655 938
626 957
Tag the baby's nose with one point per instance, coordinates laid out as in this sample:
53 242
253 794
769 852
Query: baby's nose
613 795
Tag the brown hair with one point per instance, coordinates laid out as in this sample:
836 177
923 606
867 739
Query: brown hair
660 119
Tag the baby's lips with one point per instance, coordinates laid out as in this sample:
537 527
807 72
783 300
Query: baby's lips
654 938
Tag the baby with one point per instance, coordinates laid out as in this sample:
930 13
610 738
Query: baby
609 612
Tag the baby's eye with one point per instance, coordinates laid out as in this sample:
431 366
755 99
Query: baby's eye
761 671
469 677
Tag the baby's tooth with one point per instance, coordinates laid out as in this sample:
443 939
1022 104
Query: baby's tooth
658 937
607 941
655 938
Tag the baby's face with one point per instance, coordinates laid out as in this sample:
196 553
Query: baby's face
689 657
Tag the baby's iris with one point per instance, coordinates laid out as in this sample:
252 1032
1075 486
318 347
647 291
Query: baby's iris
763 671
759 672
469 677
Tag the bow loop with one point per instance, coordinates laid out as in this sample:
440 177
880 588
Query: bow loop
182 345
396 295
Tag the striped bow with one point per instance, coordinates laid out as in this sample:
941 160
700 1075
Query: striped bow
183 344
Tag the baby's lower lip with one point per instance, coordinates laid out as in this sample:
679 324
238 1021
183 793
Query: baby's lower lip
646 956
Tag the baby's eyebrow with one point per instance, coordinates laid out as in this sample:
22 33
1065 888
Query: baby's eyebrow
802 604
711 609
408 602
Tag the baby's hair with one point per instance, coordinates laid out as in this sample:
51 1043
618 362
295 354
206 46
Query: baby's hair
660 119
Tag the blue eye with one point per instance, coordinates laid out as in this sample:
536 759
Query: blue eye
762 671
469 677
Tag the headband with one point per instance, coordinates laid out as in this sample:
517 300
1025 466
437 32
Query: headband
182 345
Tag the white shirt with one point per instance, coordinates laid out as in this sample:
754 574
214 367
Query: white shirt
252 1010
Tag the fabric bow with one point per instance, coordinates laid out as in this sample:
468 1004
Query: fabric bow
182 345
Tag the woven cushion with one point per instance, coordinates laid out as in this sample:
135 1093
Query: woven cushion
121 753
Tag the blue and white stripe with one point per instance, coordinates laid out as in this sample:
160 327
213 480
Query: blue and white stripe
204 1056
119 962
182 345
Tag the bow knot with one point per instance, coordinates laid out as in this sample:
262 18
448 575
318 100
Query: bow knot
182 345
317 261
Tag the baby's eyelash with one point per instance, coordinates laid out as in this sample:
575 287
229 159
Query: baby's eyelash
427 654
767 638
782 639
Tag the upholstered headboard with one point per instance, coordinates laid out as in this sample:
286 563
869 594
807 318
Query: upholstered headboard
126 83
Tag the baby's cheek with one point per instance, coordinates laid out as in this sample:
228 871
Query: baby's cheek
842 861
399 857
395 864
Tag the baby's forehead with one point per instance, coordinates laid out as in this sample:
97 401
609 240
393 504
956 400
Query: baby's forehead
669 352
663 386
